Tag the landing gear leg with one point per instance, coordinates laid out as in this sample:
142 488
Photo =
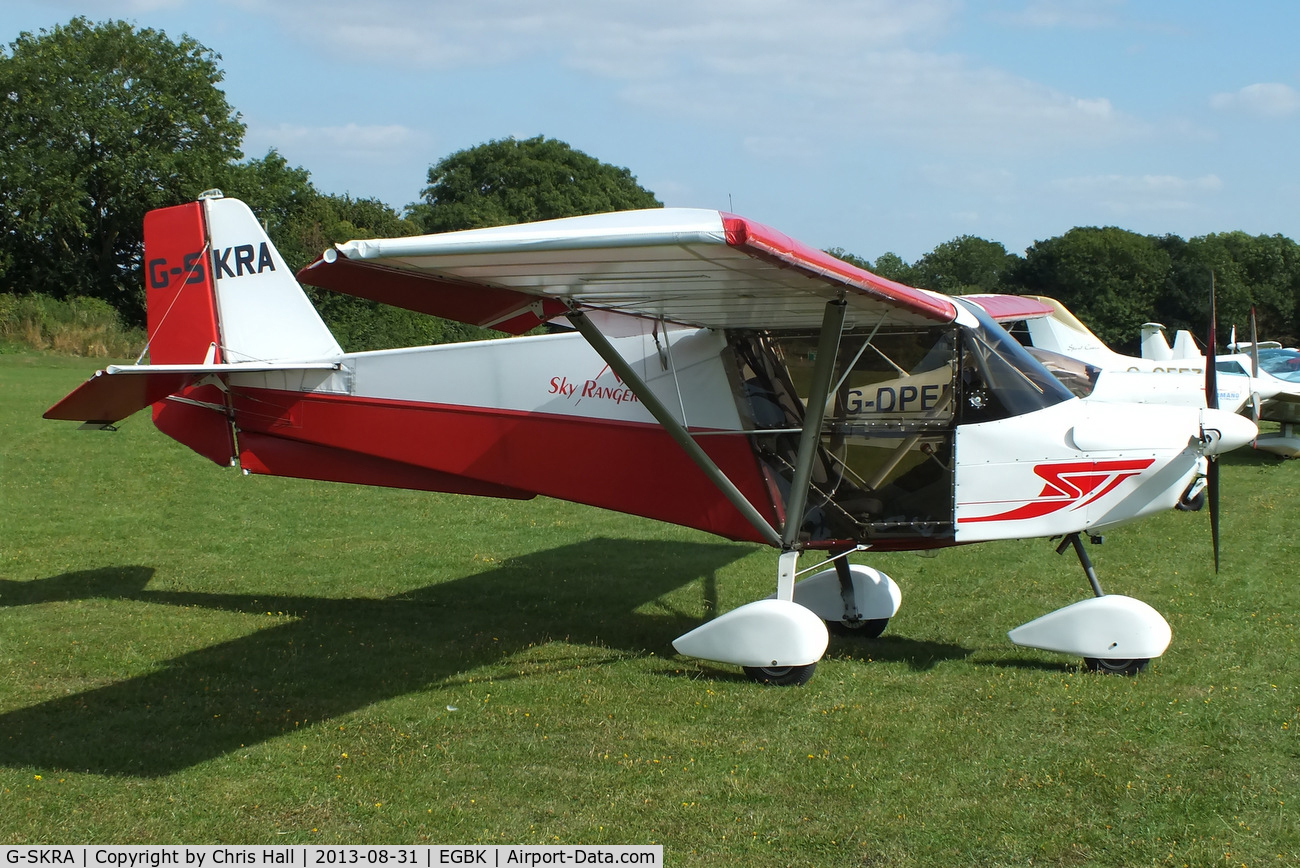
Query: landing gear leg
853 623
1108 665
1088 570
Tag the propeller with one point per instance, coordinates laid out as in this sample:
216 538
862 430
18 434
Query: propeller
1212 401
1254 365
1254 344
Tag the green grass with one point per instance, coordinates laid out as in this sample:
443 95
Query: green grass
188 655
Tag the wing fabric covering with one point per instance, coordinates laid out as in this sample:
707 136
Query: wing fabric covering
1010 308
689 266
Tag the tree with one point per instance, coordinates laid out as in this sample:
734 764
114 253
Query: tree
1268 269
850 258
1261 272
100 123
964 265
284 200
893 267
359 323
511 181
1108 277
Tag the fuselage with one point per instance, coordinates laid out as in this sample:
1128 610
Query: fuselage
935 436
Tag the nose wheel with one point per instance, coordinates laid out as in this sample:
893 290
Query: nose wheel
861 628
1116 667
784 676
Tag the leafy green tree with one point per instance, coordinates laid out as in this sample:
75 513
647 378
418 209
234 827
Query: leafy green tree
1108 277
359 323
99 124
1268 268
1248 271
964 265
850 258
894 267
519 181
284 199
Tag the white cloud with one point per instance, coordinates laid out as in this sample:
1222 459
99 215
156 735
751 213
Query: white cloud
350 140
1131 194
1269 100
853 70
95 8
1077 14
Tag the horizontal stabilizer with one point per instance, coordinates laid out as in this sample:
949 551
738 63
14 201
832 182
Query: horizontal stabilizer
120 390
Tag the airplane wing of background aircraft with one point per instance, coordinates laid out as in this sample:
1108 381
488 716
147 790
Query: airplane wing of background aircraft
1265 385
718 375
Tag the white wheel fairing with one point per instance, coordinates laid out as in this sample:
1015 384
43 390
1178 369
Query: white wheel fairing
764 633
1113 627
875 594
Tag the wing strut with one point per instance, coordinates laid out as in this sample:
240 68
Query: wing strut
674 428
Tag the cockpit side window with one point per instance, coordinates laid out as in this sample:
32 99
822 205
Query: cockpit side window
1281 363
883 469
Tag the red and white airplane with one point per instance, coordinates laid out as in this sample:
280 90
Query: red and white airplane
717 375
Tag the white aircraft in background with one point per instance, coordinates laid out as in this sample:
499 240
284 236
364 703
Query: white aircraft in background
718 375
1261 379
1272 371
1091 369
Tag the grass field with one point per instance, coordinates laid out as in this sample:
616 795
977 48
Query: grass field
188 655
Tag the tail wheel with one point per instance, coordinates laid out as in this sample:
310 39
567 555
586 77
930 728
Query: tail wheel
781 675
1116 667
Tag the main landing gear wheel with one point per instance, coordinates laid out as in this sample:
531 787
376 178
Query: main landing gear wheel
784 676
1116 667
866 628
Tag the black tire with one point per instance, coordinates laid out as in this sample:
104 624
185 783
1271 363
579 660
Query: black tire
1116 667
868 628
784 676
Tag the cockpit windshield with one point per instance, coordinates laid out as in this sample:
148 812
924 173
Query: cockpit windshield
1281 363
999 376
1076 375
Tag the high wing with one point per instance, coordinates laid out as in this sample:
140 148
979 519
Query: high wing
694 267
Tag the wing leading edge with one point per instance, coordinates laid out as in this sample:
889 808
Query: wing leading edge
690 266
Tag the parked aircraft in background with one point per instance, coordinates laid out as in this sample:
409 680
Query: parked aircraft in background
718 375
1263 384
1273 372
1091 369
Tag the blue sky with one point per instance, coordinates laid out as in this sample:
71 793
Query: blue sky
871 125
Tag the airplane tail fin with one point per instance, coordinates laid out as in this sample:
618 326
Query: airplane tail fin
1154 345
1185 346
219 291
220 299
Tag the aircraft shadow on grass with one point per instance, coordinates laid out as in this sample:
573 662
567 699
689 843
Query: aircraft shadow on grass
339 655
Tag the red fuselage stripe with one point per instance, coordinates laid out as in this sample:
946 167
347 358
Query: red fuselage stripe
629 467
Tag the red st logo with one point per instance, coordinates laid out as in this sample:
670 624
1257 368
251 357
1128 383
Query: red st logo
1072 485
